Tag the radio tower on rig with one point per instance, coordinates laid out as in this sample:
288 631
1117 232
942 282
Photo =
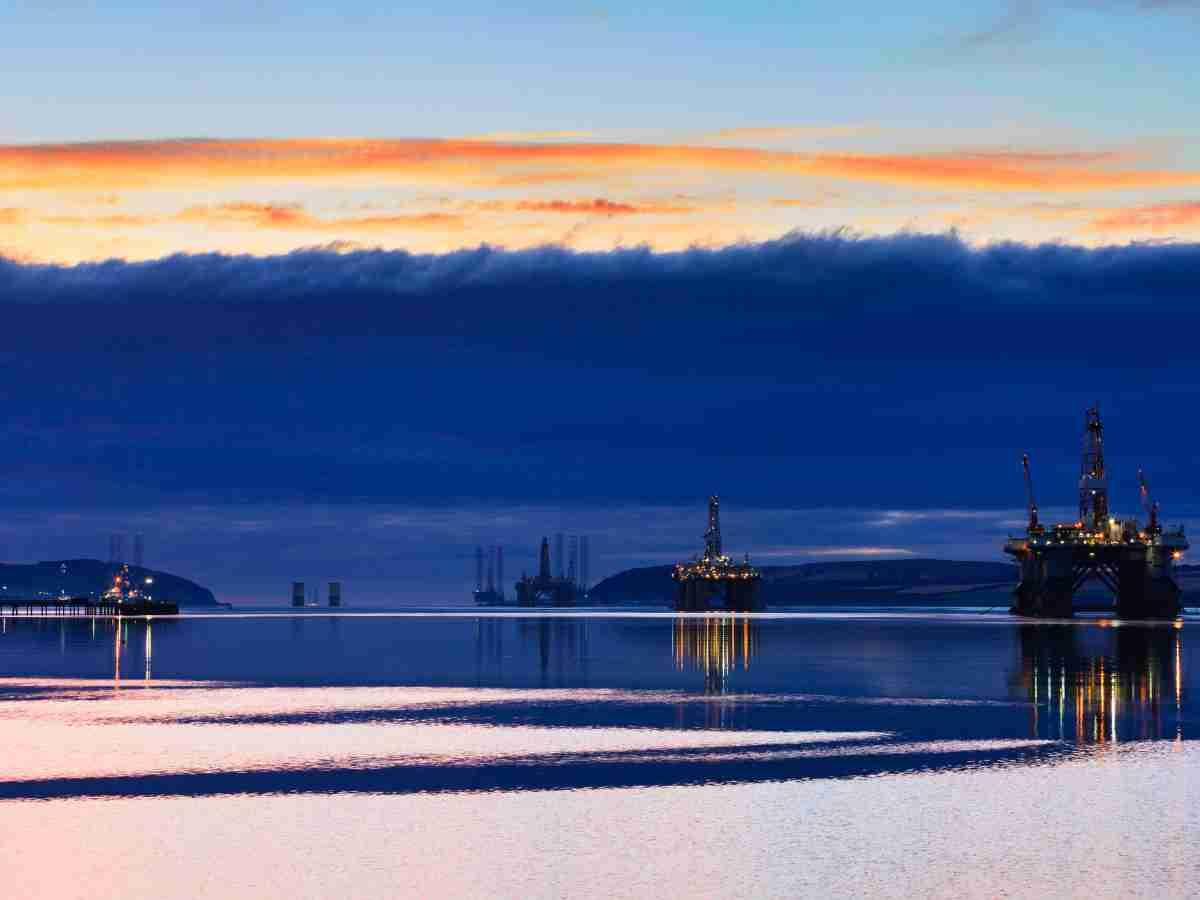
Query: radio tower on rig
1093 485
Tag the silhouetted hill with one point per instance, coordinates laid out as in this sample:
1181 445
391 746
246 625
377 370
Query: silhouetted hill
910 581
90 577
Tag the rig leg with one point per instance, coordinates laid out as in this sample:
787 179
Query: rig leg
1050 598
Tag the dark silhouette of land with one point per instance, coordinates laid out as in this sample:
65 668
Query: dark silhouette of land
890 581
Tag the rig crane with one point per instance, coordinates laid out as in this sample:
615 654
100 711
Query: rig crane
1149 505
1030 505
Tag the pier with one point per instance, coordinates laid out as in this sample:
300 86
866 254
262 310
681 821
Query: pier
85 606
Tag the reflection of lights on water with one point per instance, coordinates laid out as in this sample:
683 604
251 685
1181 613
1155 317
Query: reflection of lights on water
1178 674
715 645
1112 696
117 654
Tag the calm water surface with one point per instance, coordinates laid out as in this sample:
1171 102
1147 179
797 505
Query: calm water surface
598 755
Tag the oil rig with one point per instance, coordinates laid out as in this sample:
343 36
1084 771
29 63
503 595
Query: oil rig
714 581
1136 564
491 592
544 589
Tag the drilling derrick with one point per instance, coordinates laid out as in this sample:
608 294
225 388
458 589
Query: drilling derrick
714 581
1093 486
1134 564
712 536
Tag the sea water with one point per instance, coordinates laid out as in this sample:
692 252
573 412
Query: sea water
495 754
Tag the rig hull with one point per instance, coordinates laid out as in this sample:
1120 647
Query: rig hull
1139 574
731 594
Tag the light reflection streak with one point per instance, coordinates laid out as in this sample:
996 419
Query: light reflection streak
715 645
117 655
1107 682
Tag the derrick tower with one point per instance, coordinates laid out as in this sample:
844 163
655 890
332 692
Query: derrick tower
712 535
1135 563
1093 484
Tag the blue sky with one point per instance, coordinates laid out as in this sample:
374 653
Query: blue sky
1114 71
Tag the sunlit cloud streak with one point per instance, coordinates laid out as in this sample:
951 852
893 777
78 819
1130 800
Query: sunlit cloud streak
293 217
106 166
1158 218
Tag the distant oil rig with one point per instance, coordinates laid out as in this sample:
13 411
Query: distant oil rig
544 589
491 592
301 600
568 588
1135 564
715 581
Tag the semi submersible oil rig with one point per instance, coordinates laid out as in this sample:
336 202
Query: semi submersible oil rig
714 581
1135 564
545 589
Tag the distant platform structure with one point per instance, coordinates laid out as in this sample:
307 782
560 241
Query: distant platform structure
715 581
491 592
544 589
568 588
1136 564
335 594
298 593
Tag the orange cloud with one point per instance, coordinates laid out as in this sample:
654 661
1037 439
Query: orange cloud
193 163
1157 217
1038 172
11 216
803 202
113 221
293 217
596 207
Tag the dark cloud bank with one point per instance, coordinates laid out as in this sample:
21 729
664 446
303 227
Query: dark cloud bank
814 371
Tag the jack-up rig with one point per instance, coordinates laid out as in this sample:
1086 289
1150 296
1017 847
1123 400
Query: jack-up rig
1136 564
491 593
714 581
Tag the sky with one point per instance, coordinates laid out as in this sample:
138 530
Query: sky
313 293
